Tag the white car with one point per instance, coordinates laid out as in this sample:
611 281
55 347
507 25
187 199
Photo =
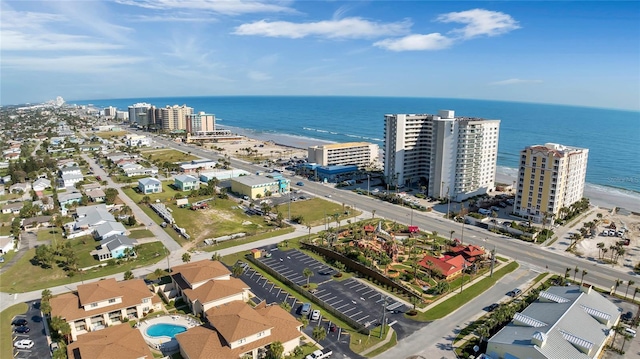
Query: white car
23 344
315 315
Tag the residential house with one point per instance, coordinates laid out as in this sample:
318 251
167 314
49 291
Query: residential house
68 199
7 244
13 208
90 186
20 188
564 322
71 169
237 330
122 341
445 266
470 252
11 156
36 222
205 284
134 169
117 156
149 185
87 219
108 229
41 184
185 182
113 247
104 303
96 195
70 179
197 166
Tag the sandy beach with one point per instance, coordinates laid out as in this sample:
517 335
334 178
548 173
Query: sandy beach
282 145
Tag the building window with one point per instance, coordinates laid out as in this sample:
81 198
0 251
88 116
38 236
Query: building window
112 300
243 340
93 305
145 300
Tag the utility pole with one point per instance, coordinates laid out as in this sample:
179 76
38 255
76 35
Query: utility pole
289 204
493 259
368 193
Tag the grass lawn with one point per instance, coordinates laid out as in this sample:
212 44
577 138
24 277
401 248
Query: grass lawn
443 309
167 193
140 233
111 134
384 348
168 155
6 331
48 234
360 342
14 280
313 211
6 217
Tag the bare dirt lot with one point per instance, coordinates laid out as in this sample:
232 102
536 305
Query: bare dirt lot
265 149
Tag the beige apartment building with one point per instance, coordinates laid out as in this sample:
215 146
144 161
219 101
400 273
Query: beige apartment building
361 154
201 123
454 157
175 117
551 176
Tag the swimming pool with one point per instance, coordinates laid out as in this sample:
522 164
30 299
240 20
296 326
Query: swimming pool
165 330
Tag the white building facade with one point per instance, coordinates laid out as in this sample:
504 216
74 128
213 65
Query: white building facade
455 157
361 154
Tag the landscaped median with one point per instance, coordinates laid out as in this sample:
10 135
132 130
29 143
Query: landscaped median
451 304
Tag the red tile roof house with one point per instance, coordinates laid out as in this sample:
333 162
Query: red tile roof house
446 266
205 284
470 252
98 305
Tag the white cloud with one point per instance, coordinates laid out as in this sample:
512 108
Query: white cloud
352 28
416 42
227 7
514 82
172 18
258 76
18 41
480 22
70 64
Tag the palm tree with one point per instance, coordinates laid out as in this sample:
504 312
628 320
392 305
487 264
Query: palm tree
373 214
616 285
186 257
216 256
566 273
307 273
584 272
309 228
319 333
128 275
575 271
276 349
629 283
451 235
237 270
635 291
600 248
430 265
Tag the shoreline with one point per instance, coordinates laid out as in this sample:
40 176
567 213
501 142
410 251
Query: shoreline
599 195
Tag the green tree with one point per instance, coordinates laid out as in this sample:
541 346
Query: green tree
46 295
276 350
61 327
584 272
128 275
307 273
286 306
110 195
237 270
216 256
319 333
629 284
44 255
186 257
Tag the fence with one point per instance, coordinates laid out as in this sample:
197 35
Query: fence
352 323
364 270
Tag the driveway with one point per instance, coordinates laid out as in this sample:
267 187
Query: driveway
27 240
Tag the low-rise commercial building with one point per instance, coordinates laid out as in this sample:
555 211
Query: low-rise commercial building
361 154
254 186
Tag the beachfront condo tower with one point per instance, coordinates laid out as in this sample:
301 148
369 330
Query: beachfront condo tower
551 176
453 157
175 117
138 113
361 154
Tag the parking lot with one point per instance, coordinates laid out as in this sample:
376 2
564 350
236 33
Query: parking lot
263 289
37 334
360 302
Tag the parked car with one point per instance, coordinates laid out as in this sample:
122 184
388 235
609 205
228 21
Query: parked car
300 184
627 316
19 322
54 346
23 344
333 328
493 307
516 292
22 329
315 315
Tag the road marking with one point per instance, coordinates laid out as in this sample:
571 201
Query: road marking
369 291
342 306
363 287
363 318
347 311
354 315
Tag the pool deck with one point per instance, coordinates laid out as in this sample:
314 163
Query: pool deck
160 343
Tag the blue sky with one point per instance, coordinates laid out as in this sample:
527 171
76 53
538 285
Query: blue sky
577 53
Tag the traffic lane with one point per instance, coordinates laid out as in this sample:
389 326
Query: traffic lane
37 333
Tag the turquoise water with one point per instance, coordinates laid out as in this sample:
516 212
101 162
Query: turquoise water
165 330
612 136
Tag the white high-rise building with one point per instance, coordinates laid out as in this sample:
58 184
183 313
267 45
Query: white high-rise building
453 157
138 113
551 176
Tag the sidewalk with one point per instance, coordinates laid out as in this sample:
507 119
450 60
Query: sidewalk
386 340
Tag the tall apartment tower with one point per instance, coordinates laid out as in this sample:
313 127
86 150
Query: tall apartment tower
551 176
201 123
454 157
175 117
362 154
138 113
110 112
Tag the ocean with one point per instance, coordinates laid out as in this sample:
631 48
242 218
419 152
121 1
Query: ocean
612 136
